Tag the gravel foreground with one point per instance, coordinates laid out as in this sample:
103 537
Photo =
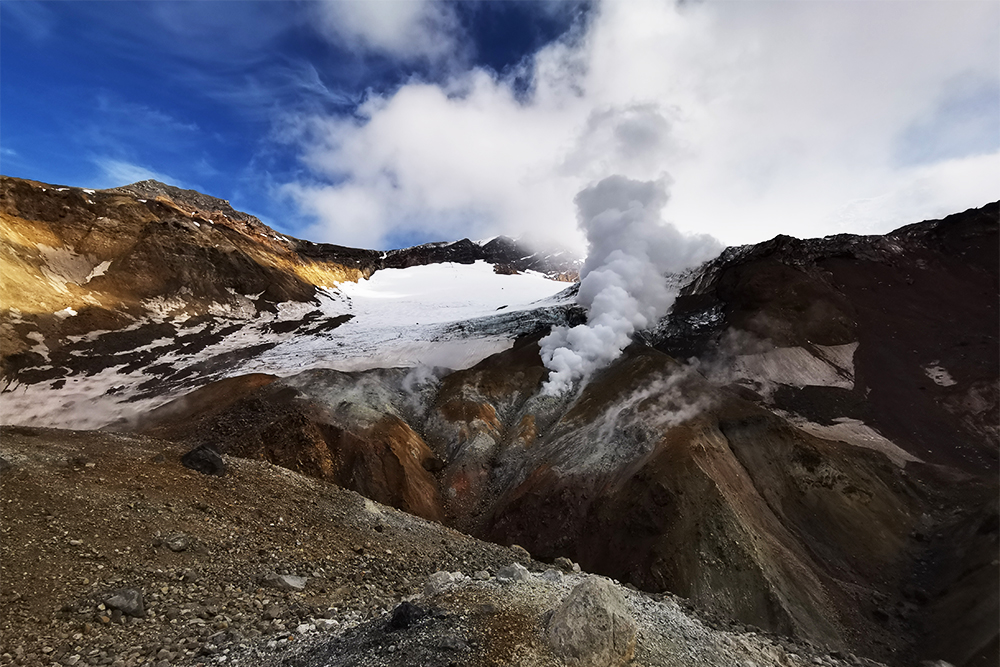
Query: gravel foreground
113 553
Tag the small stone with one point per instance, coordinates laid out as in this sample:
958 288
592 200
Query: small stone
520 553
285 582
438 582
128 601
563 563
178 542
481 575
453 643
305 628
513 573
405 615
552 575
206 460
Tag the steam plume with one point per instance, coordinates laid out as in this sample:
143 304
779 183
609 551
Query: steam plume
622 283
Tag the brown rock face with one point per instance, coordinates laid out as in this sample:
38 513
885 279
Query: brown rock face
376 454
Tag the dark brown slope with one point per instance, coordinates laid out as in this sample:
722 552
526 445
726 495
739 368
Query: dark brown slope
921 298
375 453
684 477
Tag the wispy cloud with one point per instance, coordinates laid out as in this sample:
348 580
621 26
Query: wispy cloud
31 18
115 173
127 118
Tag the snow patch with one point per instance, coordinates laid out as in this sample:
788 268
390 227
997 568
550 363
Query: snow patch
414 317
823 366
161 308
63 266
98 270
853 432
939 375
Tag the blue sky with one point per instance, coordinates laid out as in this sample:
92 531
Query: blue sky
392 122
100 94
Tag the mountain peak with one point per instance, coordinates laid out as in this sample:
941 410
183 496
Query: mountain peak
151 189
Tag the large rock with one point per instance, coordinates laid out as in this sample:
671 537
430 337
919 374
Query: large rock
206 460
592 627
128 601
513 573
285 582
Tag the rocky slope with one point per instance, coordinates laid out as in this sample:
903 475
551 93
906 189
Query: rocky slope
807 443
262 566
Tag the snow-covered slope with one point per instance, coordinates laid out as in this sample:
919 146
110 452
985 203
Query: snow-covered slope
447 315
115 301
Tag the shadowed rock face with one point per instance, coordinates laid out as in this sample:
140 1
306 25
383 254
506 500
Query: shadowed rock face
807 443
921 304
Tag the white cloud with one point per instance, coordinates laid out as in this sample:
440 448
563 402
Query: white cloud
401 28
770 117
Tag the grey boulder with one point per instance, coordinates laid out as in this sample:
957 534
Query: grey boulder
592 627
513 573
285 582
128 601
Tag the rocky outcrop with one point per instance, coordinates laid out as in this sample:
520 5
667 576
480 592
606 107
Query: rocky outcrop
919 303
364 445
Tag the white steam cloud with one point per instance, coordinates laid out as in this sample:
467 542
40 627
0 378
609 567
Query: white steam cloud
622 283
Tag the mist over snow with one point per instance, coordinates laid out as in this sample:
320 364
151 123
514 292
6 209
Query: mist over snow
622 284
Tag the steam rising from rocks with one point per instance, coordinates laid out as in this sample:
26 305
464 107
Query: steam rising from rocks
622 283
